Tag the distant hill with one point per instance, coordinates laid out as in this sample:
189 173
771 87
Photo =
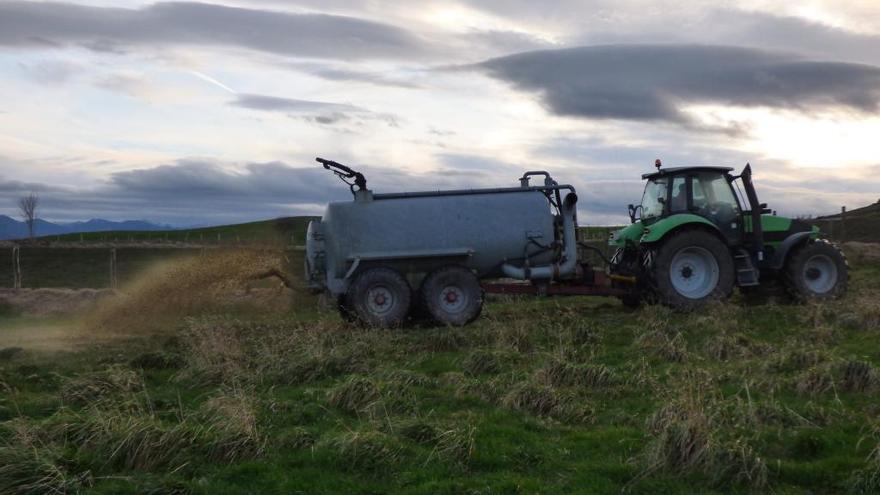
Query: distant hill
861 224
11 228
288 230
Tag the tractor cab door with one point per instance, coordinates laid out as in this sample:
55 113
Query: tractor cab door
711 196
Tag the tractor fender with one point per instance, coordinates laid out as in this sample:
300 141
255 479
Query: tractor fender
658 230
781 253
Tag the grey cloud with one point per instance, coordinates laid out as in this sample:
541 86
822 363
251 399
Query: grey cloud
193 191
50 72
501 42
319 112
376 78
652 82
278 104
281 33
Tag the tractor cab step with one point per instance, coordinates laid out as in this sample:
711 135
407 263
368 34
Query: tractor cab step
746 273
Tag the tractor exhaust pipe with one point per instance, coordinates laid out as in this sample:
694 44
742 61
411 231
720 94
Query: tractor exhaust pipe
567 265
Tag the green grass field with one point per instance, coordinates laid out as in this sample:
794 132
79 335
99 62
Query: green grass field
574 395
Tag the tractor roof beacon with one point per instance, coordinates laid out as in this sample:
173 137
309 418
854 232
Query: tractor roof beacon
700 231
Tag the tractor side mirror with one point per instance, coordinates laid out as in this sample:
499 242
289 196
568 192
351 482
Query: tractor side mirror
633 211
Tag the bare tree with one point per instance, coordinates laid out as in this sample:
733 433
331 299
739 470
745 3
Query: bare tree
28 206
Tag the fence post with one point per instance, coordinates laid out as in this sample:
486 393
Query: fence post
114 278
843 224
16 267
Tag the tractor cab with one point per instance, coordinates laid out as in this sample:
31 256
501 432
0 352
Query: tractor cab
706 192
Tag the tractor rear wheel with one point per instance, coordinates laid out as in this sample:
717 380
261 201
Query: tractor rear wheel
816 271
452 295
692 268
380 297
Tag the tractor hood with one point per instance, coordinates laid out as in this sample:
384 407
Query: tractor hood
777 229
632 233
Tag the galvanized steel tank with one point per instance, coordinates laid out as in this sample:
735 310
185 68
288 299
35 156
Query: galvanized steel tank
478 229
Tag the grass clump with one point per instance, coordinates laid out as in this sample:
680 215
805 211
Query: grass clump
8 353
481 362
561 373
859 376
355 395
368 450
158 360
687 438
455 445
93 387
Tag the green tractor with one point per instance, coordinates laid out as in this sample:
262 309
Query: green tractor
696 236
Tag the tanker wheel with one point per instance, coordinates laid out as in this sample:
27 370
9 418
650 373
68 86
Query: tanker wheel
380 297
692 268
816 271
452 295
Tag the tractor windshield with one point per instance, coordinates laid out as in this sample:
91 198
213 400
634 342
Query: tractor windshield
654 198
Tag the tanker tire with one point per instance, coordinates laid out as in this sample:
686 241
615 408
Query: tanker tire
683 254
452 295
822 260
380 297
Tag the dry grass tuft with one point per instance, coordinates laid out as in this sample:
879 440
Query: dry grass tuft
94 387
867 480
481 362
158 360
538 399
859 376
8 353
369 450
814 381
37 471
229 351
560 373
693 435
454 445
532 398
355 395
659 342
232 415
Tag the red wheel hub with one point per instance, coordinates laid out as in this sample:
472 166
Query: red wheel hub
451 297
379 299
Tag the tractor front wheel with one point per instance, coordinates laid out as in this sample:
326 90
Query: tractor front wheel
691 268
816 271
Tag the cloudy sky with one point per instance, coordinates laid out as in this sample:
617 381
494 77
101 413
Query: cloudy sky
196 113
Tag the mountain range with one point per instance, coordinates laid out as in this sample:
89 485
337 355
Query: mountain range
11 228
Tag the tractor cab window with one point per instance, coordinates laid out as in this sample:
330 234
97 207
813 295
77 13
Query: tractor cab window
678 196
713 198
654 198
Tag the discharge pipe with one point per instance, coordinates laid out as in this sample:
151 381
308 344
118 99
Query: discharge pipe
566 266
